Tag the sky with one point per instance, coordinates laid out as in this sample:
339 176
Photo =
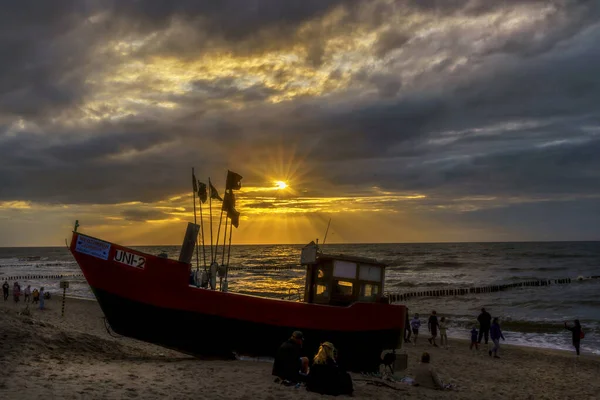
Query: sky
399 120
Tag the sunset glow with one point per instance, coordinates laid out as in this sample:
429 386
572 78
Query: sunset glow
280 185
406 120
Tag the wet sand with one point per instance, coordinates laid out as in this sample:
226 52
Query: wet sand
47 356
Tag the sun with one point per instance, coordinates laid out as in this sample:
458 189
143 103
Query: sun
280 185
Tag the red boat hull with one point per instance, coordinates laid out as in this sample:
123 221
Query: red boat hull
155 303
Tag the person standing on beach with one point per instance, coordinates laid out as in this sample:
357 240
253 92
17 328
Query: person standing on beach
35 296
484 325
415 324
27 293
406 328
16 292
443 333
5 290
496 334
41 297
577 334
474 342
433 326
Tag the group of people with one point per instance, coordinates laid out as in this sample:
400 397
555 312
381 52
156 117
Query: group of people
433 326
30 296
323 376
489 328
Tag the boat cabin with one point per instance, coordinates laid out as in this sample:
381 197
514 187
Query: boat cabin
341 280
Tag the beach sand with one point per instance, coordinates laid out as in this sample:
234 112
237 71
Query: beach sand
46 356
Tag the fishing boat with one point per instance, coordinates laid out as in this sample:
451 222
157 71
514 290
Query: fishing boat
151 298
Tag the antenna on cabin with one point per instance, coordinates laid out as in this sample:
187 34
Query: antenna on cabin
326 231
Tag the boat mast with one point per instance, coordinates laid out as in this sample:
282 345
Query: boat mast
194 191
210 194
326 231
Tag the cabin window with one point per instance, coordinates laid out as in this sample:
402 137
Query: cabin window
322 290
369 290
344 269
343 288
370 273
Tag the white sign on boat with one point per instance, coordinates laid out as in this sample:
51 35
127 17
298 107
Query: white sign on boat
131 259
93 247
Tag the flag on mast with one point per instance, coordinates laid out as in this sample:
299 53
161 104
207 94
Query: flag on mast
229 207
194 182
202 195
234 181
213 192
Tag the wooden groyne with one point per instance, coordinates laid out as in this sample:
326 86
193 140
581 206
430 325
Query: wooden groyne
395 297
33 277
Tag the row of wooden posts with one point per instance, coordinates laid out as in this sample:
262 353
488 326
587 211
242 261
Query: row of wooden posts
31 277
395 297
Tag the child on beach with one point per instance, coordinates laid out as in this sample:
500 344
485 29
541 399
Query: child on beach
41 298
443 335
474 342
35 295
27 293
5 288
16 292
495 335
415 324
433 326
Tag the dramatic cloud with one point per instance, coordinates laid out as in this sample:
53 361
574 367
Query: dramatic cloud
463 112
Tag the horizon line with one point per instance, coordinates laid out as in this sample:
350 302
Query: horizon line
334 243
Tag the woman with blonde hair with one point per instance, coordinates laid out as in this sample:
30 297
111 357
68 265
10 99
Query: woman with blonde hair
325 376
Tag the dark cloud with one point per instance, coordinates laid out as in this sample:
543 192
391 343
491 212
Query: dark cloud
143 215
515 118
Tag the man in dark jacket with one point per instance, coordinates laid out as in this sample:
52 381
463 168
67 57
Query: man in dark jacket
485 321
5 290
289 364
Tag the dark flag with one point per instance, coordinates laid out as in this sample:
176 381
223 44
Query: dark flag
234 181
213 192
234 216
229 207
202 195
194 183
228 201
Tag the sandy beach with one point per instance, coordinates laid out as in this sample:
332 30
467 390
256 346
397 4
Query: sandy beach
75 358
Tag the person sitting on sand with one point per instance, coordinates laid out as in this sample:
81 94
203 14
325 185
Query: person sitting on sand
415 324
289 364
426 376
16 292
35 296
495 334
474 342
576 331
325 376
41 298
433 326
5 288
27 293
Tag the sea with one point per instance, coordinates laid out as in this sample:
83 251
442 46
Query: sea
529 316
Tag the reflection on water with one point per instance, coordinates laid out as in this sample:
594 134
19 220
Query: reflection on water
533 315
